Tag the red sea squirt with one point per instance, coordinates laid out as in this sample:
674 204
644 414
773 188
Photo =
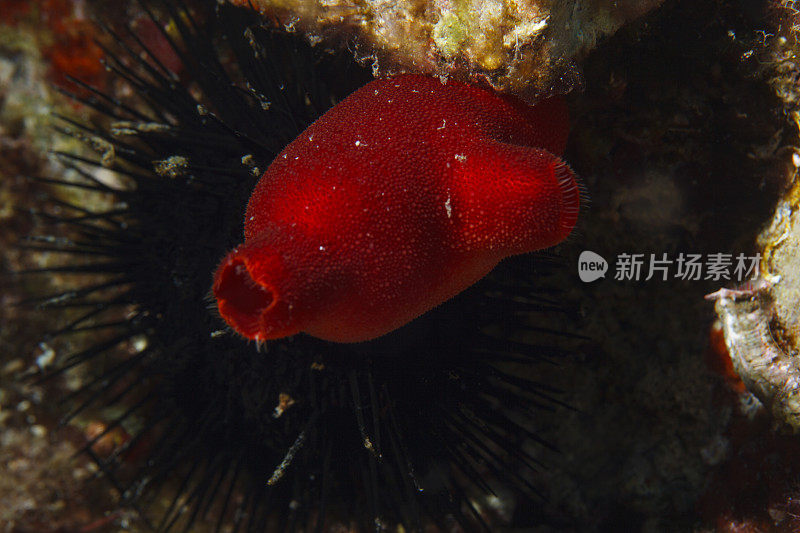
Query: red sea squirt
401 196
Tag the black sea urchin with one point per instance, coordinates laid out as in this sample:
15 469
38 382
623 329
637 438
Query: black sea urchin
415 428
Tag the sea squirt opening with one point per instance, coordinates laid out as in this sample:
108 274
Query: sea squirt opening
246 300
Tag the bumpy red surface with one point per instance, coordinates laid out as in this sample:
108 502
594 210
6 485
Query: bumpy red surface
403 195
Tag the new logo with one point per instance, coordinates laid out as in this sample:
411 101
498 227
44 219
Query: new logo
591 266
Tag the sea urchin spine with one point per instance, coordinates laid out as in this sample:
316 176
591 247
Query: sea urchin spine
414 428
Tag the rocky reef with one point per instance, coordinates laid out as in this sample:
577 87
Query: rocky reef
525 47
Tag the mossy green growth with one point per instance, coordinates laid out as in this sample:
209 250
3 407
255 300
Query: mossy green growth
449 34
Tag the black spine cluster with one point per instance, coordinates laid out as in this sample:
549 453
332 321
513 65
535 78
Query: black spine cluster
417 427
